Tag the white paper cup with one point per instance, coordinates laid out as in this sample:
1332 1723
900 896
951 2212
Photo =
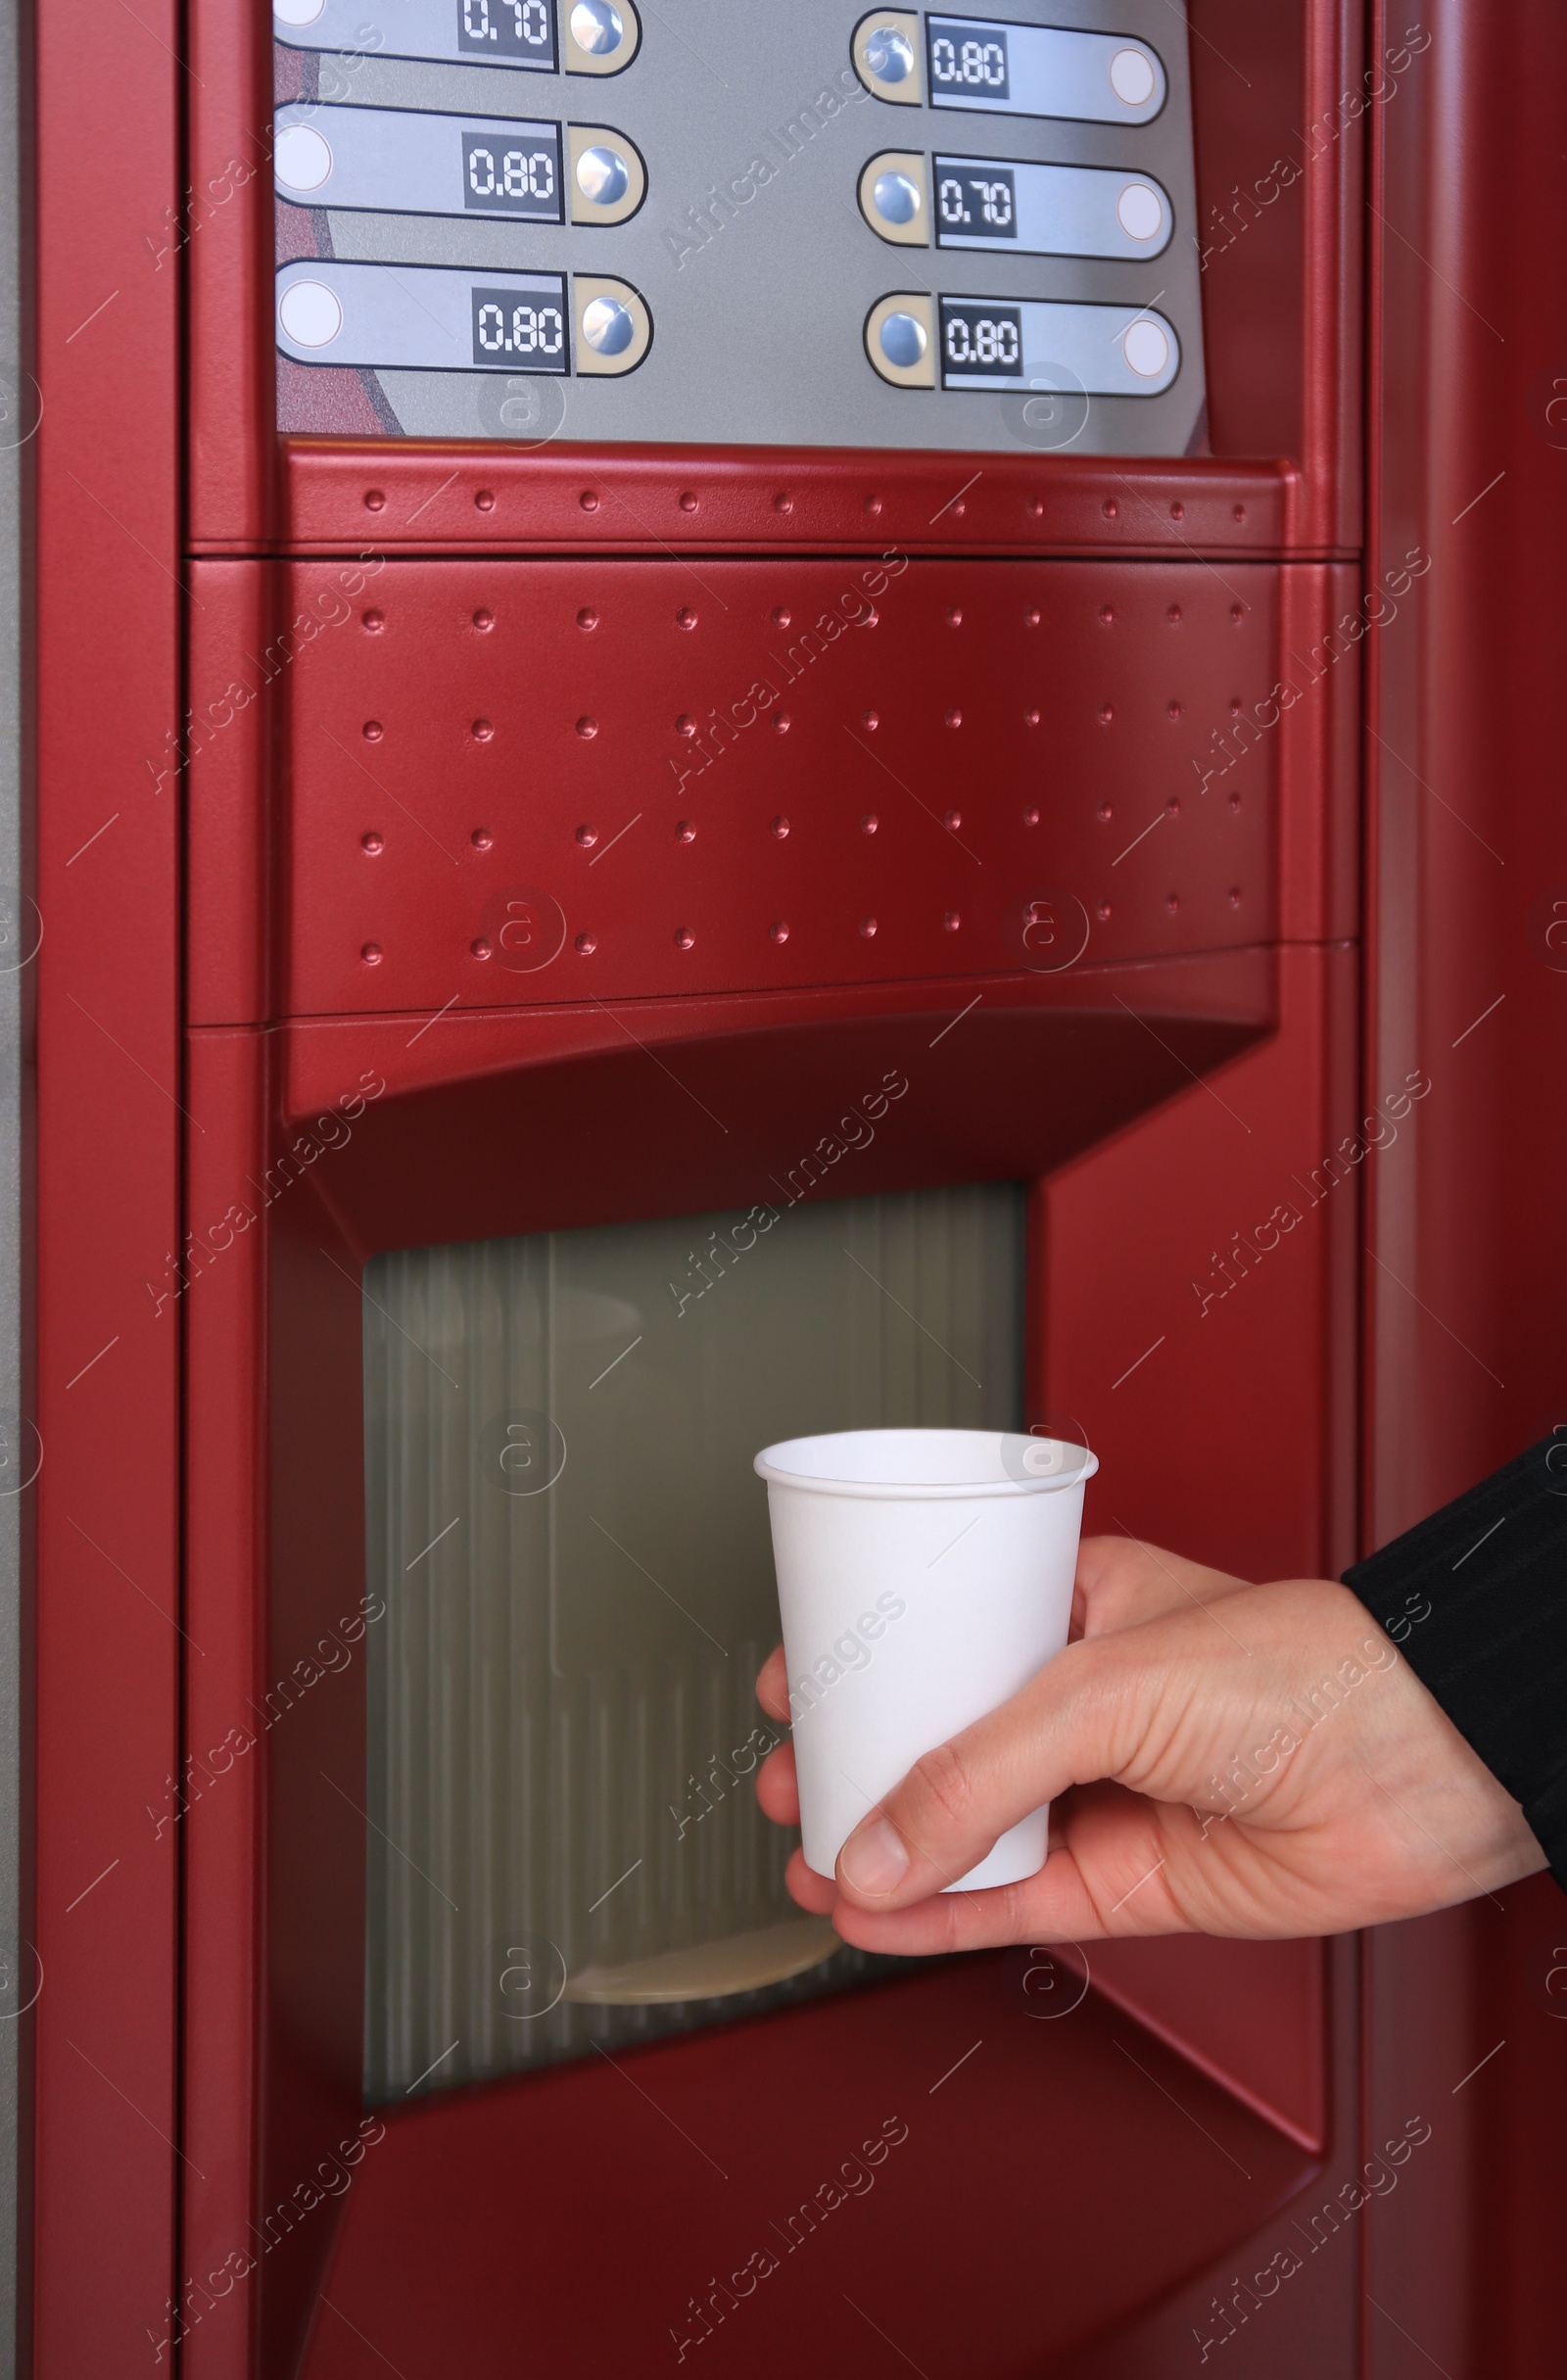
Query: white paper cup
923 1576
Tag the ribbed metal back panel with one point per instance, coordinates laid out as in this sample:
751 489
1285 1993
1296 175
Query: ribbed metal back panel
572 1551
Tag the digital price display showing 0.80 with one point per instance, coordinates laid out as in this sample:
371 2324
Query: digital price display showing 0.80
970 59
507 31
516 334
980 341
518 176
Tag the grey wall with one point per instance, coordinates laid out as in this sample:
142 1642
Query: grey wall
18 938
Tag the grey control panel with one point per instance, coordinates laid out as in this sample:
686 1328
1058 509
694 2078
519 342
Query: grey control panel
781 222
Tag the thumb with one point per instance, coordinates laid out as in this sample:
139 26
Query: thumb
1072 1724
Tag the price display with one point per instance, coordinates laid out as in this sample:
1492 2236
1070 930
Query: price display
518 332
517 175
508 33
1049 345
527 33
1050 211
974 202
447 319
407 161
969 61
976 64
980 341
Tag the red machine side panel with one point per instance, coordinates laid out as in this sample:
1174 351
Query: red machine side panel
1468 894
1231 1291
111 1106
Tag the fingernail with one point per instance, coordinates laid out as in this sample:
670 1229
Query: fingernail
876 1860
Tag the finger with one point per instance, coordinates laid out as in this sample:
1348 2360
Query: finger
1120 1583
1081 1718
777 1787
817 1893
772 1686
1104 1878
1051 1907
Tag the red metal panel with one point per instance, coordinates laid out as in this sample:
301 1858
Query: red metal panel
714 781
1195 669
1214 1002
343 494
220 1294
1285 2303
1467 842
1252 2014
1467 856
233 455
225 761
1235 1279
1323 620
1055 2148
1208 1354
108 1084
1279 94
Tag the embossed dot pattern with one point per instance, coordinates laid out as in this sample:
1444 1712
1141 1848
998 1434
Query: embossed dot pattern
760 788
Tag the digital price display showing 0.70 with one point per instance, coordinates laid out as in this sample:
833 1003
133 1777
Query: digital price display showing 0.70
516 334
975 203
508 31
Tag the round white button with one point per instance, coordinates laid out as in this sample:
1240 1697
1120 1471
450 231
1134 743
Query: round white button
302 158
597 28
902 341
296 11
310 313
1131 78
897 197
608 326
1138 211
1146 348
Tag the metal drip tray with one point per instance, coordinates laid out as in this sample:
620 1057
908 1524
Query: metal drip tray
709 1970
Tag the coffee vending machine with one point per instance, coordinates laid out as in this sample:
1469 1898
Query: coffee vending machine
756 716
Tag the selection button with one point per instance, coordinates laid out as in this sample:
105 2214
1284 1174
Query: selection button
894 198
601 36
900 340
614 328
888 52
607 180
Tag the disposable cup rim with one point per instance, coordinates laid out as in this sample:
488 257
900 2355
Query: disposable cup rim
921 1491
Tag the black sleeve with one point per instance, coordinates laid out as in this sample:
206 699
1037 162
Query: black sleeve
1476 1599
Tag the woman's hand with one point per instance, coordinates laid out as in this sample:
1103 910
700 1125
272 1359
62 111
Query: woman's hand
1235 1760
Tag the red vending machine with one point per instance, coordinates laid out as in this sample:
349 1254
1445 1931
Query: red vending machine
767 775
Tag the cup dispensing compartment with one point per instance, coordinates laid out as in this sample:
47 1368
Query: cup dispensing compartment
564 1529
